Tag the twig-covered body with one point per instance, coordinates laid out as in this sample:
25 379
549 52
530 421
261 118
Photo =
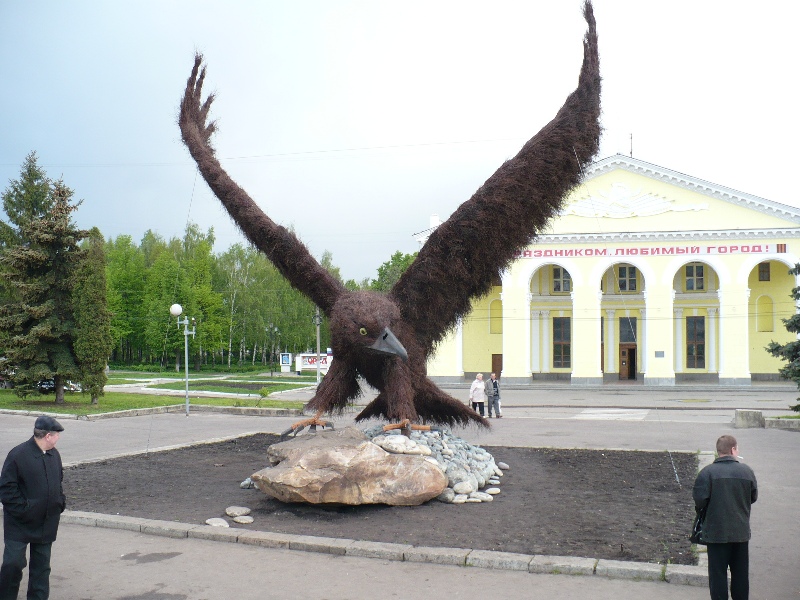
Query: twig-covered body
386 339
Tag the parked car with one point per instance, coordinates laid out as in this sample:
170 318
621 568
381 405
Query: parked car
6 373
46 386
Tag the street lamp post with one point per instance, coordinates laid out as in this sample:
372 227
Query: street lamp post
273 333
176 310
317 319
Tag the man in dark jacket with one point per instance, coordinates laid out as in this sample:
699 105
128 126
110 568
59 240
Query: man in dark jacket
726 488
33 500
493 396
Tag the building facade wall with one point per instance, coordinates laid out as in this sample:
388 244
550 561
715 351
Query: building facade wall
605 296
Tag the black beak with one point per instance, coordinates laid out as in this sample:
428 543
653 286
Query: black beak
388 343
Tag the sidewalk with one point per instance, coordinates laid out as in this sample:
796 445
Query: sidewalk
93 562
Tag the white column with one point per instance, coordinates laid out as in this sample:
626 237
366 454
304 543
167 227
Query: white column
658 331
797 302
460 347
536 343
679 350
547 341
527 347
643 352
711 342
734 354
611 355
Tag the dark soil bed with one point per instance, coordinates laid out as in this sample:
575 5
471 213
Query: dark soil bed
599 504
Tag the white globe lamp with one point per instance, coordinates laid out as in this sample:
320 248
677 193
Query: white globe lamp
175 310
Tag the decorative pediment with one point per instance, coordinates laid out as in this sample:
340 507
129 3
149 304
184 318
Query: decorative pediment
694 184
618 201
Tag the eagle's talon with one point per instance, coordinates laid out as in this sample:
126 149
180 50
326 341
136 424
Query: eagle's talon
292 431
406 427
311 423
322 424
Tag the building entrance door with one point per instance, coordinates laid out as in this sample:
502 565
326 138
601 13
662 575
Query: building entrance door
627 361
497 364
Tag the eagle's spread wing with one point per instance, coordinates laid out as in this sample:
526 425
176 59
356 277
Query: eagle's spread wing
480 239
281 246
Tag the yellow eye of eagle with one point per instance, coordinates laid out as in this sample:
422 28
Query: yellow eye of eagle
363 331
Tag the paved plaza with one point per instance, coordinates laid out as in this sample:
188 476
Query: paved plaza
109 564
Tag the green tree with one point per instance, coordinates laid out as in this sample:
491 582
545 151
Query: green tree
391 271
201 301
163 288
790 352
93 341
232 280
39 322
355 286
125 280
151 246
25 199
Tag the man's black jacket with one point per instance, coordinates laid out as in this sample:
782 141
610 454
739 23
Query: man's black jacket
32 494
728 488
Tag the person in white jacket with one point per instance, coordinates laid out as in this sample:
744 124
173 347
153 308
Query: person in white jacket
477 394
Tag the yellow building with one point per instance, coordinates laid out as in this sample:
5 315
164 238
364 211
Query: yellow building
648 275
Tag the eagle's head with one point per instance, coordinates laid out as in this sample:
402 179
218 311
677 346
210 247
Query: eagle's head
366 323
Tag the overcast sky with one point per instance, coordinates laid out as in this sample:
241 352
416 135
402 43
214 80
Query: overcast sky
354 121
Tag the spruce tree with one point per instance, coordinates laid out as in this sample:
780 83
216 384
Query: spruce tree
93 341
39 321
790 352
25 199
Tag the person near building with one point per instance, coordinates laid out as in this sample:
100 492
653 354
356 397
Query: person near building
493 396
477 394
33 499
726 489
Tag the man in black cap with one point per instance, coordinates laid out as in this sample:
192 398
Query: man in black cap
33 500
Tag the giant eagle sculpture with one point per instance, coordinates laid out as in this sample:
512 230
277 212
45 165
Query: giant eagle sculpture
387 338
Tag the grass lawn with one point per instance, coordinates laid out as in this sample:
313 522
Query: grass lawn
228 386
116 377
276 377
121 381
80 404
171 374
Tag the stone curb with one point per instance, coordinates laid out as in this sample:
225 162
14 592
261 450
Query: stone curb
563 565
384 550
619 569
754 419
437 556
786 424
687 575
508 561
482 559
250 411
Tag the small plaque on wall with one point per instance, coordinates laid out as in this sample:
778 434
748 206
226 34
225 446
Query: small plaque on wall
659 354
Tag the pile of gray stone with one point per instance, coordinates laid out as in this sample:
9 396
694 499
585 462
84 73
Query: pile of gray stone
353 466
472 473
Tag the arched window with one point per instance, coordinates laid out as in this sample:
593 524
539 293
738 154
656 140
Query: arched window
695 277
562 282
765 320
496 317
626 279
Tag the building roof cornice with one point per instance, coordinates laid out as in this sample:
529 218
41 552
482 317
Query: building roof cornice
668 236
640 167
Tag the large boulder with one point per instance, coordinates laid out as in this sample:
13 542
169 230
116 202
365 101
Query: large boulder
343 467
